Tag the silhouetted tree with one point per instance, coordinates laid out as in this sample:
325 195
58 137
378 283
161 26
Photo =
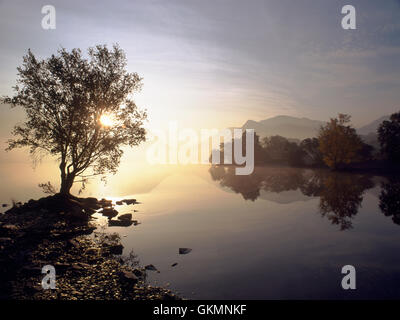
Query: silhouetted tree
366 151
389 138
65 98
276 148
312 153
339 142
280 150
258 150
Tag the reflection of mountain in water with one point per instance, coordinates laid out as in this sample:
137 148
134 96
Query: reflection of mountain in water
284 197
340 194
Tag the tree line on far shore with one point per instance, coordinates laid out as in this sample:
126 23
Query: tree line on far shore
337 146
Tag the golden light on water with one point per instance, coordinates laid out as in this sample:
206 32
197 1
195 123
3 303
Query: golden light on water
107 120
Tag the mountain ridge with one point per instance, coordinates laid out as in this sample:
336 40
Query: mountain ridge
299 128
285 126
372 127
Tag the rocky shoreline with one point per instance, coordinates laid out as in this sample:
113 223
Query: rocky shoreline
60 231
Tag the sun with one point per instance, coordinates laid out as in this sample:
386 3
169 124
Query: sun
107 120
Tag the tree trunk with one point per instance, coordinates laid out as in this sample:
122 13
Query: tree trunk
66 184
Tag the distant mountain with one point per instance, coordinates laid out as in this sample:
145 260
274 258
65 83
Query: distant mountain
371 139
302 128
372 127
285 126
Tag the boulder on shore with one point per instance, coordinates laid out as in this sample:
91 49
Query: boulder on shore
128 277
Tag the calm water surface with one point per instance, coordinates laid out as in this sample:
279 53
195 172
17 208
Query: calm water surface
277 234
280 233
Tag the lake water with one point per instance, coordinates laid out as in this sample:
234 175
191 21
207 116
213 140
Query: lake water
281 233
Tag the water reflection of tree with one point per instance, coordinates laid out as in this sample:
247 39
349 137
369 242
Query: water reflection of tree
340 194
341 197
248 186
390 199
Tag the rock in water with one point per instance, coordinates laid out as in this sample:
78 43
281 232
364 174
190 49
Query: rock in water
105 203
150 267
125 217
120 223
129 201
184 250
109 212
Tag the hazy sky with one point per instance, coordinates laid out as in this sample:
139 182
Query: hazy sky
218 63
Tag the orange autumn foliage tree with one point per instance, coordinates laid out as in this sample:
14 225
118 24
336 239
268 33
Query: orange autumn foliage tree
339 143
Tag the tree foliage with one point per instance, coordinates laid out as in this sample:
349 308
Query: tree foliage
312 153
339 142
389 138
64 98
280 150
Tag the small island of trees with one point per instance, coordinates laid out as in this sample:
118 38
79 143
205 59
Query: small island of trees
337 146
